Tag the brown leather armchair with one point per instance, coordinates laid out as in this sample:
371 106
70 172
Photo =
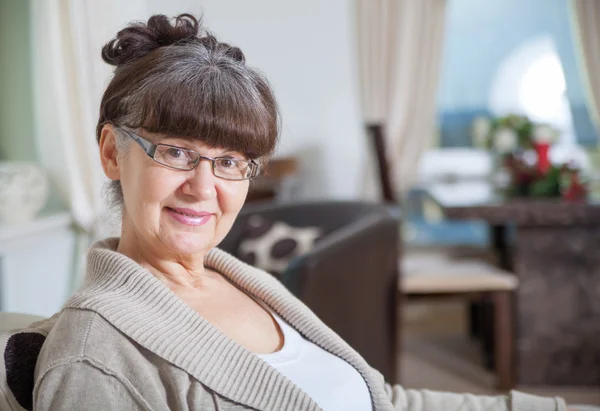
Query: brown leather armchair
349 279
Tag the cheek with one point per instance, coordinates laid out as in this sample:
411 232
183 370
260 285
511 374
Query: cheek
156 185
132 189
232 196
145 188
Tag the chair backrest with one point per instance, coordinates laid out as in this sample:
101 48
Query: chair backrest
327 215
385 180
21 339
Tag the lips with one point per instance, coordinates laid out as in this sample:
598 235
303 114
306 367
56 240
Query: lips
189 212
189 217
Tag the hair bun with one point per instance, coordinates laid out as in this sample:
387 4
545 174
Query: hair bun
139 39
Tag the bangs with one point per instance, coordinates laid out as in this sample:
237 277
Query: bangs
234 110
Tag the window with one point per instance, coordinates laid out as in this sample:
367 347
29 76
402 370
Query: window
510 56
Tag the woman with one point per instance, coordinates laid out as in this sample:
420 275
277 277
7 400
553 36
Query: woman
167 321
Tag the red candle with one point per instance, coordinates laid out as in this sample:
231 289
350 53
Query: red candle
543 151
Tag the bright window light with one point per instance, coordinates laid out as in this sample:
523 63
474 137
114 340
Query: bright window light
542 88
531 81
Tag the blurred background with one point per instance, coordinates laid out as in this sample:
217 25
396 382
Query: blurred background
469 127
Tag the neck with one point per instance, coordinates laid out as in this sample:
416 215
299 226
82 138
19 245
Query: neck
176 271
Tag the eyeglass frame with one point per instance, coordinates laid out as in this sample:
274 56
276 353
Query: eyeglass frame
150 149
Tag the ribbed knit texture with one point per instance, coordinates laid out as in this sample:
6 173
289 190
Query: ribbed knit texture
144 309
525 402
147 311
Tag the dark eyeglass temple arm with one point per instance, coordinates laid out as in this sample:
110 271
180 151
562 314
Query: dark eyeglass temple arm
148 147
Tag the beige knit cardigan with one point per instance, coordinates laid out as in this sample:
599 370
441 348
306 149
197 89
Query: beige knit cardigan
125 341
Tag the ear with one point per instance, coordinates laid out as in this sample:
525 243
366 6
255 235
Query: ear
109 153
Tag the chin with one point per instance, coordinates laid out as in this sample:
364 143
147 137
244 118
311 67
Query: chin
189 243
182 239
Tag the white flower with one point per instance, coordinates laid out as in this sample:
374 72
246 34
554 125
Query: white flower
543 133
505 140
480 131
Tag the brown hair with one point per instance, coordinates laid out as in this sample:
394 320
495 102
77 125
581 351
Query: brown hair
179 80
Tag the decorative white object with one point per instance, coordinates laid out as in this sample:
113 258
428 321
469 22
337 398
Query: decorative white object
454 164
505 140
23 191
543 133
480 131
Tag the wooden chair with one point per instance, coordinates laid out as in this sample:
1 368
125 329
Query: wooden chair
427 274
484 283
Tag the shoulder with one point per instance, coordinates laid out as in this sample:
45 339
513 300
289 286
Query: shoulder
83 384
88 360
70 334
83 335
76 356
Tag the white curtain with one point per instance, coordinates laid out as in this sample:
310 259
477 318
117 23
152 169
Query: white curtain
400 46
586 22
69 77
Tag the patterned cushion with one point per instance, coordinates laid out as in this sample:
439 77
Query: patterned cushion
20 350
271 245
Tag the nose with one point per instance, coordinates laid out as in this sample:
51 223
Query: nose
201 182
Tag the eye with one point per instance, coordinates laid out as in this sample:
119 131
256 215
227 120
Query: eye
227 163
175 153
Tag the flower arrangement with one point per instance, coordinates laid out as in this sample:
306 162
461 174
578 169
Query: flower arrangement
510 138
557 182
511 133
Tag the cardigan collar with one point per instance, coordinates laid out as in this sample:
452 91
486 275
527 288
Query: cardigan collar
147 311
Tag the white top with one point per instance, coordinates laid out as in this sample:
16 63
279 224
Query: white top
330 381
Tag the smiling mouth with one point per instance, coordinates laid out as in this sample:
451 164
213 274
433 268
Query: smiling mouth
190 213
189 217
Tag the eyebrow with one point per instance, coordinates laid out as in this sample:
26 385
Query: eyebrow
226 152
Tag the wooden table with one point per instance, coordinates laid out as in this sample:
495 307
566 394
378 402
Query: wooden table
557 260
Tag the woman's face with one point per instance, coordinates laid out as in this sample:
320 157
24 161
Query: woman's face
180 212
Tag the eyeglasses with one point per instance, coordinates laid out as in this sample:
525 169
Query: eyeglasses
179 158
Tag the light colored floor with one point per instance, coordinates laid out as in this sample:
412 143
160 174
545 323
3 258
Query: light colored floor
438 355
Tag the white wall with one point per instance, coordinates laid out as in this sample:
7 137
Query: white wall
306 49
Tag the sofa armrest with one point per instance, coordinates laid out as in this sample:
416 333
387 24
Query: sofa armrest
350 281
